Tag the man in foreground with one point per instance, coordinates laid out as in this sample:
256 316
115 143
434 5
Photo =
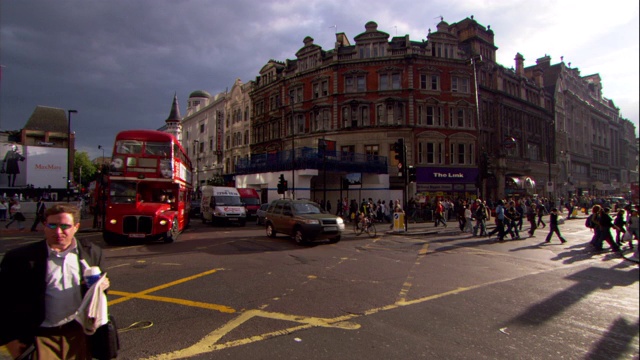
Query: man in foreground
43 287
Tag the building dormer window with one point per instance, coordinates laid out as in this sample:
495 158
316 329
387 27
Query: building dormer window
366 51
461 152
320 89
355 83
430 82
296 95
430 115
390 81
460 84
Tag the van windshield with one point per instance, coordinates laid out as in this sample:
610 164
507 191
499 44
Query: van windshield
227 200
251 201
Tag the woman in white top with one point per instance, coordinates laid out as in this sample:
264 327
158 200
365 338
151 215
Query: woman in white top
467 217
16 215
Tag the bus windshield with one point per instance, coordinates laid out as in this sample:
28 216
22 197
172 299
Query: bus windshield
123 192
158 149
129 147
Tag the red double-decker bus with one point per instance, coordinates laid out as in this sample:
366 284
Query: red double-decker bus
148 188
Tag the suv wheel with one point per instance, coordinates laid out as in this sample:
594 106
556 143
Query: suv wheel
271 232
298 237
334 240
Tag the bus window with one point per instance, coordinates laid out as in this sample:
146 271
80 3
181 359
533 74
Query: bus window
158 149
122 192
128 147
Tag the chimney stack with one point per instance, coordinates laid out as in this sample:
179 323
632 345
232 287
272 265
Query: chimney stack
519 64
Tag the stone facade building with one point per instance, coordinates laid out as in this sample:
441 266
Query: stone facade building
596 148
202 129
328 120
359 100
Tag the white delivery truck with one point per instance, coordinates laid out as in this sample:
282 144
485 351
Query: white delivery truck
222 205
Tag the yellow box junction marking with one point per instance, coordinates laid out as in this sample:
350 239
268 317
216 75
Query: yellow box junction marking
209 343
126 296
402 296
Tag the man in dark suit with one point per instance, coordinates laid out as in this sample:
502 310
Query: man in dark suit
40 208
11 166
42 287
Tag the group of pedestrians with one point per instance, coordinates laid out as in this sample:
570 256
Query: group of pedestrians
379 211
15 214
510 216
626 225
11 209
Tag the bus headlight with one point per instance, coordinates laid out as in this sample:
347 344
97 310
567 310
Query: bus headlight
163 222
113 221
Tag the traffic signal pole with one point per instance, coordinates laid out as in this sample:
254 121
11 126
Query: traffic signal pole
400 149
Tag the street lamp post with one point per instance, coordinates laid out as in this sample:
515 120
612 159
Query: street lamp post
197 161
474 60
323 147
101 147
69 170
551 144
293 151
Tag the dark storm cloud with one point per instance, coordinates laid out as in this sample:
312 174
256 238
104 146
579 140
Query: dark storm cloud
119 62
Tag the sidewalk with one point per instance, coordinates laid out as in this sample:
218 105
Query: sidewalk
428 228
86 225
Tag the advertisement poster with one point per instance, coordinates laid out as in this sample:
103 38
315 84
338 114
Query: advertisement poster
13 167
39 166
46 166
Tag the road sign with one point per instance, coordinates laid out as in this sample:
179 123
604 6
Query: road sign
398 222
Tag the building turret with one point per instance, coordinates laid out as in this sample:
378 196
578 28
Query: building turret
174 126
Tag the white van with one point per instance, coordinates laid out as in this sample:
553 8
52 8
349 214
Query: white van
222 204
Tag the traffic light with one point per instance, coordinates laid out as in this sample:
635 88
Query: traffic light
486 165
412 174
285 186
281 184
401 156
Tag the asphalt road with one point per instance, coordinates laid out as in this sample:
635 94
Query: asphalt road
234 293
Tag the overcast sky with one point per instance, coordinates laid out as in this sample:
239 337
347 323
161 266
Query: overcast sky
119 62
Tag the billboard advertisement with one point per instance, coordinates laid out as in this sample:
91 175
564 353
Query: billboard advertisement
12 169
39 166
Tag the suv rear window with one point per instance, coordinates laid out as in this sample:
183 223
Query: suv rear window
306 208
276 209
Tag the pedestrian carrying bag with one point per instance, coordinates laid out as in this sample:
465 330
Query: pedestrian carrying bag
105 342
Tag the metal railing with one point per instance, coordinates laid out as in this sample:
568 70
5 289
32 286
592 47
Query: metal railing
313 158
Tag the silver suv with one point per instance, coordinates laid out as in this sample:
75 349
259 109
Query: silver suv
303 220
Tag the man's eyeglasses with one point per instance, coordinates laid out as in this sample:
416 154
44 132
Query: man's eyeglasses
61 226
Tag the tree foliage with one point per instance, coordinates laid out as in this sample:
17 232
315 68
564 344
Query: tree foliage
216 180
88 168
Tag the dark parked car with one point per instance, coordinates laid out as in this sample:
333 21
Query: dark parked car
195 209
303 220
261 213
